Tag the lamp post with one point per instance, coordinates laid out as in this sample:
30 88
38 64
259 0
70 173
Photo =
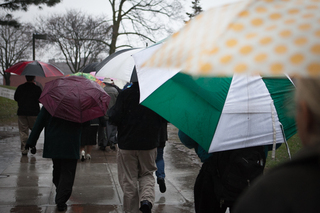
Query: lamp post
34 37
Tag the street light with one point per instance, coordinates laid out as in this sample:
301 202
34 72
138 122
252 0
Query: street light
34 37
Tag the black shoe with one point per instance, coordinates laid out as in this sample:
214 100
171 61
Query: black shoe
145 207
103 148
113 146
62 207
162 185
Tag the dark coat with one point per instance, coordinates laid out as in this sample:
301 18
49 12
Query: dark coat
61 137
292 187
27 95
163 134
138 126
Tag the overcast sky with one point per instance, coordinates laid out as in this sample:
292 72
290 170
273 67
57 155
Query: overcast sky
98 7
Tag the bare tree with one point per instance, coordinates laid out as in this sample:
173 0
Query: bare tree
143 19
77 36
15 45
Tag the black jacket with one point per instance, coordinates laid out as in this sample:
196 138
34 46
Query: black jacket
138 126
27 95
293 186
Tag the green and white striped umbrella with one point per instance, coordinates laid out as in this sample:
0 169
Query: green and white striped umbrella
219 113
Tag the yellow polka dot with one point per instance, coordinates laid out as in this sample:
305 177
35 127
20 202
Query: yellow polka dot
314 69
260 57
175 35
244 14
308 16
240 68
315 49
304 26
231 42
281 49
297 59
251 35
236 27
198 17
317 33
275 16
276 68
265 40
261 9
293 11
272 27
312 7
214 50
205 68
268 1
290 21
225 59
245 50
300 41
257 22
285 33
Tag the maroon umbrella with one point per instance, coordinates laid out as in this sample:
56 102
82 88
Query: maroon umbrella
35 68
74 99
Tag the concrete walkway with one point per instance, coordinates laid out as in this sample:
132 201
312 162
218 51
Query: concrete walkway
26 181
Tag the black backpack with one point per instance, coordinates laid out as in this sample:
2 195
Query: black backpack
235 170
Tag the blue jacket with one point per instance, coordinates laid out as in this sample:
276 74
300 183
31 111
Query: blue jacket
190 143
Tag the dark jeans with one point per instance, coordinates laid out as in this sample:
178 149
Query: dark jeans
160 163
204 197
64 171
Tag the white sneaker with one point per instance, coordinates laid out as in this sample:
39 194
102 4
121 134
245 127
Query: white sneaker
88 156
83 154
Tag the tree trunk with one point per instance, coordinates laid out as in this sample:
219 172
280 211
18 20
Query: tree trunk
115 30
7 76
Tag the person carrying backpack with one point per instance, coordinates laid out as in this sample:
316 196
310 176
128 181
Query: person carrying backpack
224 175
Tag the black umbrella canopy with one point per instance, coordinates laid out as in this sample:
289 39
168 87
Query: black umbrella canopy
90 67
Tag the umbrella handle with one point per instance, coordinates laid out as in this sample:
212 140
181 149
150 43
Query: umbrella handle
286 142
274 132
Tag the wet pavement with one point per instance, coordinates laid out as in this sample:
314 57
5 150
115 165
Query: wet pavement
26 181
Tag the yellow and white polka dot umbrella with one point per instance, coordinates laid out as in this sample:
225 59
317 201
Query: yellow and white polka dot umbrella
266 37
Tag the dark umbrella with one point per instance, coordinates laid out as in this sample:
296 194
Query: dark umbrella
35 68
74 99
90 68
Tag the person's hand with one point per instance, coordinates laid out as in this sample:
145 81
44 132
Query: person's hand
33 150
26 147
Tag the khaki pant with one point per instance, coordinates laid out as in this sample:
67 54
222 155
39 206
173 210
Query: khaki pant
25 123
135 172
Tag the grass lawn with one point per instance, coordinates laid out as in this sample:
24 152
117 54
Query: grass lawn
281 152
8 110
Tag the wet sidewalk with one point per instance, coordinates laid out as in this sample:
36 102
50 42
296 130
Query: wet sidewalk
26 181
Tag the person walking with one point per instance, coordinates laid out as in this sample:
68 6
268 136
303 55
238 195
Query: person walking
27 96
159 160
224 175
108 135
138 138
89 136
62 145
292 186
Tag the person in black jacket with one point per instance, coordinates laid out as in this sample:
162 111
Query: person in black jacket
27 95
293 186
138 138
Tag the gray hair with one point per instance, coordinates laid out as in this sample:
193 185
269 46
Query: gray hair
308 90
